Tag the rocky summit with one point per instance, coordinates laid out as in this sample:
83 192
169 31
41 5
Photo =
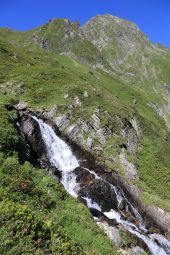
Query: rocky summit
84 140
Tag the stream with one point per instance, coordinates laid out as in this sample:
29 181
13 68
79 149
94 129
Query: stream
60 156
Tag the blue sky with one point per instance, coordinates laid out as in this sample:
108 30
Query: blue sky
152 16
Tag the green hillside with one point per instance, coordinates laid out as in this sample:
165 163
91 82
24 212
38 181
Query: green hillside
124 75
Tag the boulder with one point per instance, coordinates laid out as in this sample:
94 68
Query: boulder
101 136
62 121
101 193
76 102
129 168
21 106
73 131
122 205
112 232
89 143
85 127
65 96
95 121
83 176
52 113
85 94
31 130
136 251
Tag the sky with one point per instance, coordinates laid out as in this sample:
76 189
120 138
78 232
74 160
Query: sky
152 16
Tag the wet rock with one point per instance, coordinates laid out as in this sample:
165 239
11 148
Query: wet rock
96 213
122 205
56 172
152 230
31 130
100 192
83 176
21 106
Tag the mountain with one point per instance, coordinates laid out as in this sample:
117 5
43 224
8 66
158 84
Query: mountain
107 88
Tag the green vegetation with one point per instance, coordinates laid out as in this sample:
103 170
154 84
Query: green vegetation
37 216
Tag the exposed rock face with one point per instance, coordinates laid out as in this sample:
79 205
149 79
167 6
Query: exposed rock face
95 121
31 130
52 113
129 168
62 121
73 131
89 143
112 232
101 135
100 192
132 133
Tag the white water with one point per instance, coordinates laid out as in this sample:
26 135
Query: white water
60 155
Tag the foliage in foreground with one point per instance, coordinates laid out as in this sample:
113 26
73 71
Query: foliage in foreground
37 216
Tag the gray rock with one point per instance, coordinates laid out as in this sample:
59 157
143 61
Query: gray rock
21 106
80 140
85 94
76 102
51 113
136 251
89 143
97 111
98 150
95 121
73 131
129 168
85 127
65 96
62 121
122 204
112 233
111 159
101 136
135 125
132 133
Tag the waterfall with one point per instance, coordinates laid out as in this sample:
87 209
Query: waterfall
60 155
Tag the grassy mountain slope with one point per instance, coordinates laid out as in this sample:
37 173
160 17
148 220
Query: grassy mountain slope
40 67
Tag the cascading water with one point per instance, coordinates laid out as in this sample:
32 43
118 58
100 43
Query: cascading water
60 155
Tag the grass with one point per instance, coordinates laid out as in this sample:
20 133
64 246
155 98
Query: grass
37 215
46 77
